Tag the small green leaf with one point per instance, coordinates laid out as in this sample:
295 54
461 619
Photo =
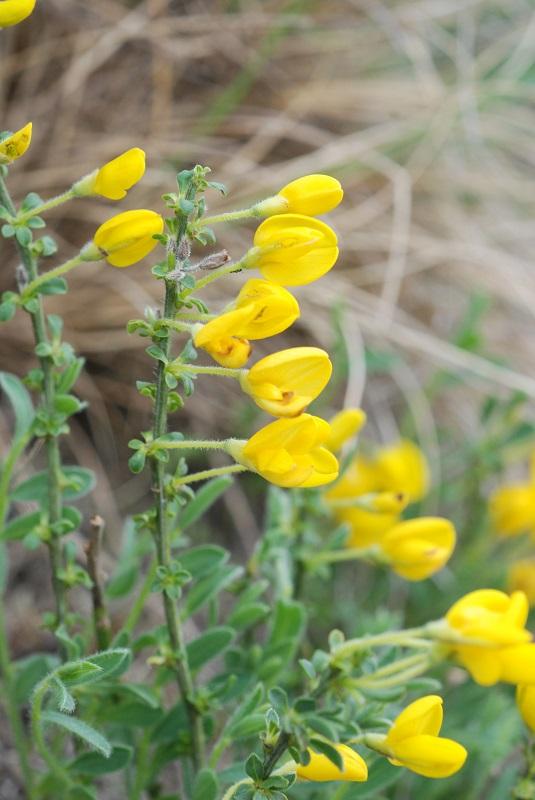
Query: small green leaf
23 236
209 645
205 590
81 480
80 729
20 400
79 672
21 526
206 786
136 462
96 764
200 561
204 498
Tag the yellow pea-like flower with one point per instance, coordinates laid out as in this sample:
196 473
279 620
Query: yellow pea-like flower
498 645
512 509
14 11
367 526
261 309
525 700
289 452
128 237
114 178
418 548
344 426
285 383
358 478
320 768
15 145
402 468
521 578
310 195
413 741
293 250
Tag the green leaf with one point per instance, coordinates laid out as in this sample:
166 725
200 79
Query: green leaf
209 645
23 236
64 699
288 623
199 561
29 672
206 786
20 400
112 663
53 286
36 487
248 727
136 462
246 615
80 729
95 764
205 497
250 704
210 587
21 526
77 673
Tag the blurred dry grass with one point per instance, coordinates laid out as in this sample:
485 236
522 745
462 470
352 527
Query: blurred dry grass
424 108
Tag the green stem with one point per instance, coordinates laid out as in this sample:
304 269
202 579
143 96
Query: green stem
206 474
175 325
188 444
161 535
57 272
220 273
231 216
6 669
392 638
141 597
38 735
226 372
55 504
348 554
399 678
54 202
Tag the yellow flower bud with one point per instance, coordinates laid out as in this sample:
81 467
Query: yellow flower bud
499 646
418 548
512 509
402 468
525 700
413 741
261 309
15 146
310 195
115 177
289 452
14 11
521 578
284 383
292 250
344 426
128 237
320 768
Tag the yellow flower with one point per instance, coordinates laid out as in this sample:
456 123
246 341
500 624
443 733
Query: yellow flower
14 11
289 452
310 195
525 700
344 426
261 309
402 468
512 509
358 478
500 648
418 548
284 383
15 146
292 249
367 527
115 177
320 768
128 237
522 578
413 741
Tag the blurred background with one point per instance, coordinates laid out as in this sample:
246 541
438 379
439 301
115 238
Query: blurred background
422 108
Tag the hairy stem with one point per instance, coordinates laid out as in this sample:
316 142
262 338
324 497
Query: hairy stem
55 505
46 205
163 549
